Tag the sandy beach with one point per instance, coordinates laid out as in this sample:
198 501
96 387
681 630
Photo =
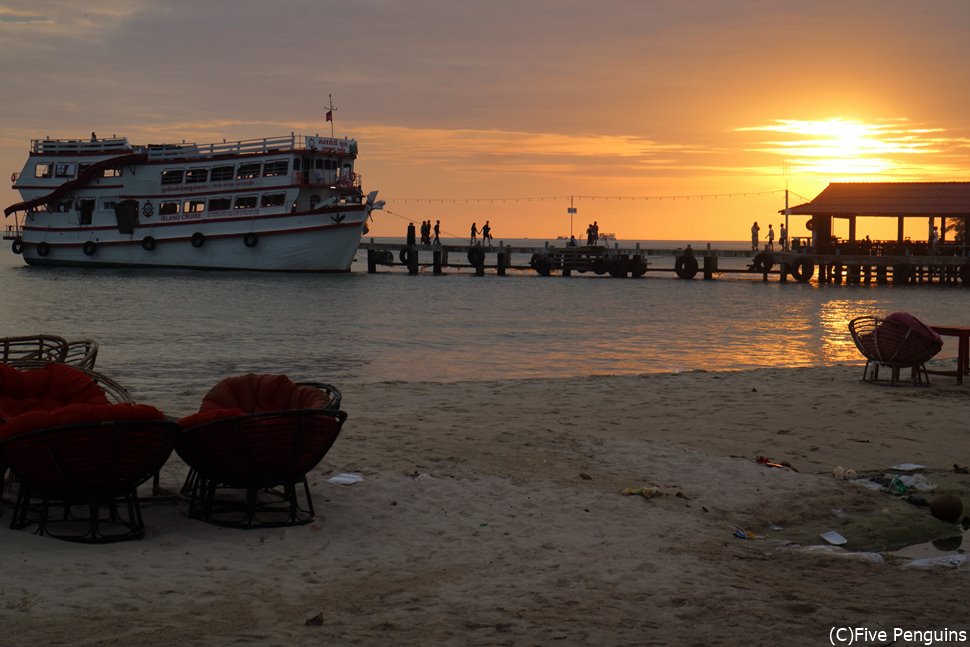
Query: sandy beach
492 513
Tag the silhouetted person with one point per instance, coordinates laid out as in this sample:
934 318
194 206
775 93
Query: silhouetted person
437 231
487 234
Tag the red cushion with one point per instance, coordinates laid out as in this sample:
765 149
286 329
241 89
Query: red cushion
77 414
50 387
915 324
308 397
254 393
208 416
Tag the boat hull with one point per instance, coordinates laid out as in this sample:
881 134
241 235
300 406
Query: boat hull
315 242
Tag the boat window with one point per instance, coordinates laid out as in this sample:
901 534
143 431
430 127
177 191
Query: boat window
220 204
44 170
193 206
246 202
81 168
111 172
248 171
65 169
222 173
273 200
168 208
322 164
196 175
172 176
108 204
275 168
296 164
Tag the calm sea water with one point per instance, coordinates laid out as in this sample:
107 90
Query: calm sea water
169 335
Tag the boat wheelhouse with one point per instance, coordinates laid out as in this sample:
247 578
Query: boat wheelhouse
286 203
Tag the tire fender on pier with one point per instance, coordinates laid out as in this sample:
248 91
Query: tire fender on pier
964 274
686 266
541 263
600 265
198 239
250 240
43 249
803 270
89 248
762 263
17 246
638 269
148 243
476 256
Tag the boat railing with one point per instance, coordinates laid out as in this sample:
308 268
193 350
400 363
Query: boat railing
292 142
112 145
264 145
185 149
13 231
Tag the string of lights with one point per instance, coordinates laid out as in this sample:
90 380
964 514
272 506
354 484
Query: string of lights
562 198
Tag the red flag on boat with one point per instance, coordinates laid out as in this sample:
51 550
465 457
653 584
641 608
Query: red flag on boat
329 115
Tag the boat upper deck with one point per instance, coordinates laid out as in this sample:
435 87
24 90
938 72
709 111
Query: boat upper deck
188 151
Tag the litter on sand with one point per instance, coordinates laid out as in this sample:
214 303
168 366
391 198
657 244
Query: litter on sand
767 462
833 538
347 478
907 467
645 492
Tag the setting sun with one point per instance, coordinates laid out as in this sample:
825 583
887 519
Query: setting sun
848 149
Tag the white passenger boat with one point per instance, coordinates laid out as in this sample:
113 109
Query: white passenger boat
287 203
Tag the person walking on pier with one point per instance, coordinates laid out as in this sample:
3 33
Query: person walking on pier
782 237
437 231
474 236
755 236
771 238
487 234
589 235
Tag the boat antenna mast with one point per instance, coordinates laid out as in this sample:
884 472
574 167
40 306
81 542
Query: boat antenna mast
330 111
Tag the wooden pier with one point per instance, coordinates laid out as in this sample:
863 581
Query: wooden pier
685 263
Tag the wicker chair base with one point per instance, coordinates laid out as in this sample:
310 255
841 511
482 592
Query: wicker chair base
94 519
918 374
235 506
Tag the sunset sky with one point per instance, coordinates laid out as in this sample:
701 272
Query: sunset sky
501 110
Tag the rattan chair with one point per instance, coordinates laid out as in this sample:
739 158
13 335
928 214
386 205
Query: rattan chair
82 353
26 386
44 348
248 465
79 468
898 341
48 348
